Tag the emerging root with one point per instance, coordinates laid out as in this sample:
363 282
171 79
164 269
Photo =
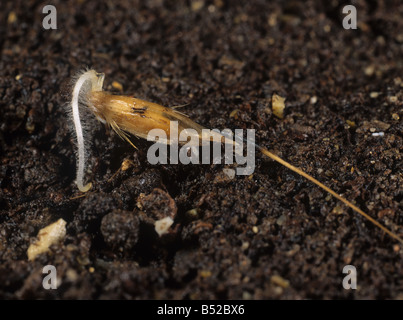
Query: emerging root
80 96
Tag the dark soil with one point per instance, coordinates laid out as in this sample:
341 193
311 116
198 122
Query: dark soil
270 235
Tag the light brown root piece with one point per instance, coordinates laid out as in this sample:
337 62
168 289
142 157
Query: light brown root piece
80 196
126 164
334 194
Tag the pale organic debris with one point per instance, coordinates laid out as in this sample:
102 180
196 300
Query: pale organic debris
12 17
393 99
193 213
230 173
272 20
162 225
197 5
313 100
369 70
246 296
279 281
205 273
245 245
71 275
338 210
234 114
278 106
352 124
47 236
126 164
398 81
117 85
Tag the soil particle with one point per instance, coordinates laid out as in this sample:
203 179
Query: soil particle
158 204
120 229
